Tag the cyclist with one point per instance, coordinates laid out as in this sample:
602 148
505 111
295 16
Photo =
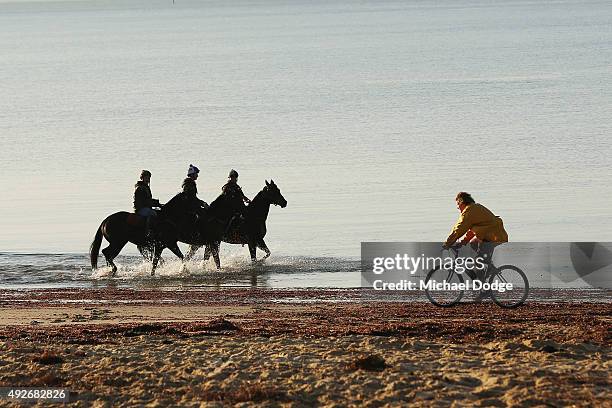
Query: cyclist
478 226
476 222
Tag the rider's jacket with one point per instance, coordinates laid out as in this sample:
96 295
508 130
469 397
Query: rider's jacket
143 197
189 194
233 191
190 187
483 223
235 196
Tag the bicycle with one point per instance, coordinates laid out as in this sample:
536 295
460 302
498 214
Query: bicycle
505 274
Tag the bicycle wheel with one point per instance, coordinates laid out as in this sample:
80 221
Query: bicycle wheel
515 297
446 297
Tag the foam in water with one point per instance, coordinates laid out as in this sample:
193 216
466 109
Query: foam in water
173 268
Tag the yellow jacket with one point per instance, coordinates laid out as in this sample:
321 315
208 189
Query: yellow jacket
483 223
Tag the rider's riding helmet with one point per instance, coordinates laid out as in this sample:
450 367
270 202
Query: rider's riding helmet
233 173
193 170
144 174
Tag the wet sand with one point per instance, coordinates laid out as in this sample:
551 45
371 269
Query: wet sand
255 347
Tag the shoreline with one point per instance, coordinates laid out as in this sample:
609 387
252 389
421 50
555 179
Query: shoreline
246 295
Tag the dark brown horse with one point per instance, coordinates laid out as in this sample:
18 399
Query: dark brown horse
252 229
120 228
200 227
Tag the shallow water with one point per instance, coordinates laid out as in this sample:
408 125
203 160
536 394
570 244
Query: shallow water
33 271
49 271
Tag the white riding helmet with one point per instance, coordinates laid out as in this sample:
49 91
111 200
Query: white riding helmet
192 170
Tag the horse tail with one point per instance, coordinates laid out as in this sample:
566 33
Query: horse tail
94 249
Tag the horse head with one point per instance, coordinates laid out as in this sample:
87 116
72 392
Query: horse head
274 195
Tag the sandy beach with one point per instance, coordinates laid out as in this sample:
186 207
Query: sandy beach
243 348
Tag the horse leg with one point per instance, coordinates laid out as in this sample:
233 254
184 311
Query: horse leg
176 251
111 252
207 252
144 252
192 251
156 257
262 245
253 251
214 248
106 252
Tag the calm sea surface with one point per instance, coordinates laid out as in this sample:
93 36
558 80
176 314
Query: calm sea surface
368 115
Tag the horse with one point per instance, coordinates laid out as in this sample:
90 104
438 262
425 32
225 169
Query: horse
119 229
252 229
202 227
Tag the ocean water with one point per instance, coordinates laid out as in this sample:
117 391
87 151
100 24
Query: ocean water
369 115
27 271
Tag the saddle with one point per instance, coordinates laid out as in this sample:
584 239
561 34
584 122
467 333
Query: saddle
135 220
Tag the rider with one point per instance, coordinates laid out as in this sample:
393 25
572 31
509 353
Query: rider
190 190
144 201
236 197
482 229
